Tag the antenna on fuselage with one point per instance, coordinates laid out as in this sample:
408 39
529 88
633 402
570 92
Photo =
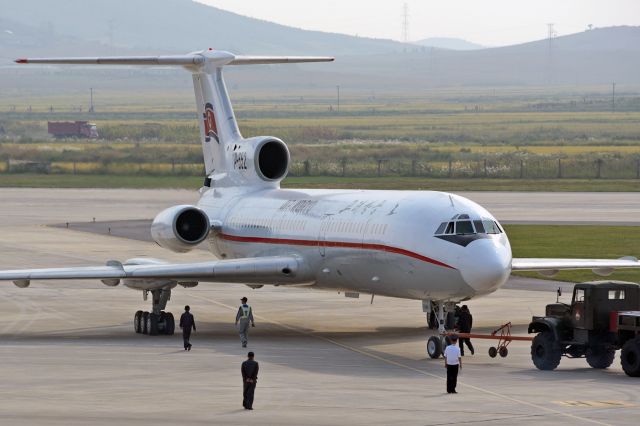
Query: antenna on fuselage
451 199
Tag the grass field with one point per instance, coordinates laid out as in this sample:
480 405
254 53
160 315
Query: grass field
442 139
607 242
396 183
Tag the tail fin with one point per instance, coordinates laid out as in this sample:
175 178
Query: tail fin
218 126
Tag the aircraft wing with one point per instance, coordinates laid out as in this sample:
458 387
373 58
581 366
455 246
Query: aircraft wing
552 266
258 270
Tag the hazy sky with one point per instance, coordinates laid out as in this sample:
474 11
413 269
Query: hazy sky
488 22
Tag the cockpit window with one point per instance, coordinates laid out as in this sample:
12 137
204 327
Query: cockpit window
490 227
479 226
449 228
461 224
464 227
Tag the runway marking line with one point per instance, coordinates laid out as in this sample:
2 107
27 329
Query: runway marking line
408 367
596 404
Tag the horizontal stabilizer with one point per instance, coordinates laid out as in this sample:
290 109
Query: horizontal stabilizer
255 60
182 60
218 58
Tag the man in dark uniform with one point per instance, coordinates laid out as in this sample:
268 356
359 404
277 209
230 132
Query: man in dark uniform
465 322
186 323
249 371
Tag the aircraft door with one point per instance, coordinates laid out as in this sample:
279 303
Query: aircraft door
322 235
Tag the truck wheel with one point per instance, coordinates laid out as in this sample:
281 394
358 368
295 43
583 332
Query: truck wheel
630 357
545 351
434 347
600 356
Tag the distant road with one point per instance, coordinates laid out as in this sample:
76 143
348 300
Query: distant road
24 205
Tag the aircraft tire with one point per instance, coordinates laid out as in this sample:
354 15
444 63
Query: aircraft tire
545 351
630 357
145 323
153 324
137 322
434 347
170 325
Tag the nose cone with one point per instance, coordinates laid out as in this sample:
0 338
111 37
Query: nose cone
486 264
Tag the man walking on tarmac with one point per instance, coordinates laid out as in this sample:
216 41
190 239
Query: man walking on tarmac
453 364
249 371
186 323
244 317
465 323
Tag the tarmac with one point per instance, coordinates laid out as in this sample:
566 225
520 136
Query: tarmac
70 356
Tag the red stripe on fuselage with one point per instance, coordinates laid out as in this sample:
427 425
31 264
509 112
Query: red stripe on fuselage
341 244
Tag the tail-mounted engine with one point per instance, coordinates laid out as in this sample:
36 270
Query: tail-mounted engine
180 228
264 157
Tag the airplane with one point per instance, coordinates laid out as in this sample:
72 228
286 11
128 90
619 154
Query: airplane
432 246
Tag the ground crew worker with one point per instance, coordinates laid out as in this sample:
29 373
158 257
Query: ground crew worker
186 323
453 363
465 323
249 371
244 317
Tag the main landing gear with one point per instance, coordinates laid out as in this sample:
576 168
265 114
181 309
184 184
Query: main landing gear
157 321
440 315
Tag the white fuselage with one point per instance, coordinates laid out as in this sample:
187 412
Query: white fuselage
379 242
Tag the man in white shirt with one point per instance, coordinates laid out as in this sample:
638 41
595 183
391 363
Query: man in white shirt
453 363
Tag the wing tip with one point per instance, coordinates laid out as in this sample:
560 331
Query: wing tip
21 61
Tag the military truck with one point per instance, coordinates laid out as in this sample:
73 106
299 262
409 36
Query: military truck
603 316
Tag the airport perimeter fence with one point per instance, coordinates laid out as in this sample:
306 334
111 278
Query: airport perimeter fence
530 168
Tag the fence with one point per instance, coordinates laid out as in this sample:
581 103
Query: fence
530 168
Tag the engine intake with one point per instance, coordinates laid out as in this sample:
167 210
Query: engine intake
272 159
180 228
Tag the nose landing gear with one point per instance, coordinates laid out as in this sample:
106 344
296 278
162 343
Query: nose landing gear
443 314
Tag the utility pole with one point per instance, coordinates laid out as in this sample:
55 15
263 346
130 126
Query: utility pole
405 23
338 89
551 33
613 96
91 100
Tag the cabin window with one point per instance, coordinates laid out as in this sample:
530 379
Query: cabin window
579 295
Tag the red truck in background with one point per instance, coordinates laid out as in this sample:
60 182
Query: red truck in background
72 129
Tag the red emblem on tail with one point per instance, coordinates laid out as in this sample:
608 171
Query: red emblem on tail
210 129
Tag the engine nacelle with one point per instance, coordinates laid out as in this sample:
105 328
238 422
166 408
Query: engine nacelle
180 228
271 159
263 157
